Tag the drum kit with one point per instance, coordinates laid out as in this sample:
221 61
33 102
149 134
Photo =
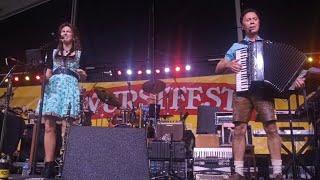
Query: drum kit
141 116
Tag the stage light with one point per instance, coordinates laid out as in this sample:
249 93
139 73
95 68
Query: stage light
188 67
139 72
177 68
119 72
6 80
38 77
16 78
310 59
107 72
166 69
27 78
129 71
148 71
157 71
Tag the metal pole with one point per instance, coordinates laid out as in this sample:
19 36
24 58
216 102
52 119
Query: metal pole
74 11
238 14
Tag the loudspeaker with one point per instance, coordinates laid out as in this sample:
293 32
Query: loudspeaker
14 129
106 153
205 120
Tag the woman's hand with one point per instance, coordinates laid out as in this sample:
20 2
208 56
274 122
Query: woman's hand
82 74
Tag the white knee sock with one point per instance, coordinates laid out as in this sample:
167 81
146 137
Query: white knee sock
238 167
276 166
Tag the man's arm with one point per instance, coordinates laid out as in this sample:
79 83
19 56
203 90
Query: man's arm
226 66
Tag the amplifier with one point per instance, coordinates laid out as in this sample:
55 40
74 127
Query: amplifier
217 166
167 129
210 177
159 169
223 117
161 150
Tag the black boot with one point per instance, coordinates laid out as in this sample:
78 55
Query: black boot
49 171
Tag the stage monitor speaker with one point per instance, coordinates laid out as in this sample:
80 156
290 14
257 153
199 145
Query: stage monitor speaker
106 153
205 120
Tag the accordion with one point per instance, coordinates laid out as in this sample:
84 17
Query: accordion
268 67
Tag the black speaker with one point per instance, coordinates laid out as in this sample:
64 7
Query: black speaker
205 120
106 153
14 129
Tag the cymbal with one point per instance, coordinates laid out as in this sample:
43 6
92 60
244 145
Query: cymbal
107 96
154 86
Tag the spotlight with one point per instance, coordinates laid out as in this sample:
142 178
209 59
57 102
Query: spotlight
177 68
166 69
139 72
157 71
38 77
119 72
6 80
188 67
27 78
148 71
16 78
129 71
310 59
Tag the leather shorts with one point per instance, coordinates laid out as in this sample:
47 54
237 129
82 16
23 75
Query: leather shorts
243 106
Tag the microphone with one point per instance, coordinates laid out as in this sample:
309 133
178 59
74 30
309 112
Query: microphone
12 59
129 84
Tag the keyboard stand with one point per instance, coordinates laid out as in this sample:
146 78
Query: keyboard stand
295 161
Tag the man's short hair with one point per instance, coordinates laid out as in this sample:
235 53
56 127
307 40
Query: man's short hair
244 12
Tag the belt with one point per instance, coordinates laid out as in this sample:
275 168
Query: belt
66 71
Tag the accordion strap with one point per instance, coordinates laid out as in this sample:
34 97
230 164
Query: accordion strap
243 42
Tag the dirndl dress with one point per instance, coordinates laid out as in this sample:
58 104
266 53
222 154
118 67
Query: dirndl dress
62 91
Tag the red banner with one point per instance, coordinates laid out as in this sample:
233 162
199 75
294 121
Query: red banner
188 97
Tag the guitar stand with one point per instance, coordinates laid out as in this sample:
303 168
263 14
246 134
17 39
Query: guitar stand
295 161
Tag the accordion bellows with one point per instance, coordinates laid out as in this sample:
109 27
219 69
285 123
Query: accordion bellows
268 67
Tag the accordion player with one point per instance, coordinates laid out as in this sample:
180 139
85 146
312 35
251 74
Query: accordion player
268 67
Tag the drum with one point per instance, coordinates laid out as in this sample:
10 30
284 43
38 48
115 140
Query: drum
135 117
121 116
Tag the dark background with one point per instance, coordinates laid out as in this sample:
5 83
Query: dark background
116 34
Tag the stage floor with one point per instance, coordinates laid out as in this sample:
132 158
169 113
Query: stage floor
31 177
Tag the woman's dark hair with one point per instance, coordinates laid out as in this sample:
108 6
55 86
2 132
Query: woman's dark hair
76 45
244 12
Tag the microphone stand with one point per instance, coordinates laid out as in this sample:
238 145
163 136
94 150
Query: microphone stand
8 94
84 114
180 92
132 114
38 125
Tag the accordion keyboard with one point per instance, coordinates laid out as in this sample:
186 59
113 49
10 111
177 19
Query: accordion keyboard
242 82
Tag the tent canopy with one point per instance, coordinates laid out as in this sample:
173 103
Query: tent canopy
11 7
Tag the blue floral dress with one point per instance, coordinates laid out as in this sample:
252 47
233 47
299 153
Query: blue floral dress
62 90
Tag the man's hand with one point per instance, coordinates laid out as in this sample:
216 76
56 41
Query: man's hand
234 66
299 83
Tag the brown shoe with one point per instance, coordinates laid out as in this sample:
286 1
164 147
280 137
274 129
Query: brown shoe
236 176
278 177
